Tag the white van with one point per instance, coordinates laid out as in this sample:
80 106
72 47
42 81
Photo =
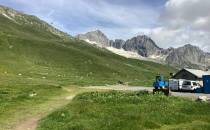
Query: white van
190 85
182 84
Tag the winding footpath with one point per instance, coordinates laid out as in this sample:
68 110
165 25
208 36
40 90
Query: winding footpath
54 104
32 123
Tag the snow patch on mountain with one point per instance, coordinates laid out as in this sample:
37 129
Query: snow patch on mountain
158 57
91 42
144 48
7 16
121 52
127 54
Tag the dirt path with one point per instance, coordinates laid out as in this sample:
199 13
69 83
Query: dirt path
32 123
55 103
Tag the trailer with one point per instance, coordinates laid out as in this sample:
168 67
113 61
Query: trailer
175 84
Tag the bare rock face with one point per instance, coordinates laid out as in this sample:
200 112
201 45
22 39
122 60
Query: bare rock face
187 56
207 60
118 43
95 37
144 45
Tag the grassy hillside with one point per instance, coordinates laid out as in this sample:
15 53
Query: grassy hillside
33 54
33 58
128 111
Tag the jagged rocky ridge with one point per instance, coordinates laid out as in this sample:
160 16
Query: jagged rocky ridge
30 20
95 37
187 56
141 47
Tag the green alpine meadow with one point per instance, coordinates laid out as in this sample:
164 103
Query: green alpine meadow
128 111
51 79
37 58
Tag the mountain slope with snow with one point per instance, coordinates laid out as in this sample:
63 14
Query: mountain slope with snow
34 53
143 47
95 37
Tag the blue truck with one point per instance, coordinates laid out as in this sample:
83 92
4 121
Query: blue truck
161 85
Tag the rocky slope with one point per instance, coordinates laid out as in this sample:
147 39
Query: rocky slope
30 21
143 47
187 56
117 43
95 37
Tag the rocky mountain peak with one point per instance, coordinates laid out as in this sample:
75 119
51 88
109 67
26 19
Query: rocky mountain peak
187 56
190 46
143 37
95 37
142 44
147 40
99 32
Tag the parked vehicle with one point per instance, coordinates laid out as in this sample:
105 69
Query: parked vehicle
161 85
190 85
175 84
181 84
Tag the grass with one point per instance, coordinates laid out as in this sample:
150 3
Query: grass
128 111
32 59
41 56
16 102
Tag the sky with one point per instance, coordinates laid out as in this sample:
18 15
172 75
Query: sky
170 23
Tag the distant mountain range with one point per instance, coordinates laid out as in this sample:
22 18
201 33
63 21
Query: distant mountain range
143 47
33 52
139 47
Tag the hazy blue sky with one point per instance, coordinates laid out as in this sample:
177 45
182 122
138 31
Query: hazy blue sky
168 22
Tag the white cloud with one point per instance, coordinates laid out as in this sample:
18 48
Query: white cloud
184 21
121 17
166 37
177 22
